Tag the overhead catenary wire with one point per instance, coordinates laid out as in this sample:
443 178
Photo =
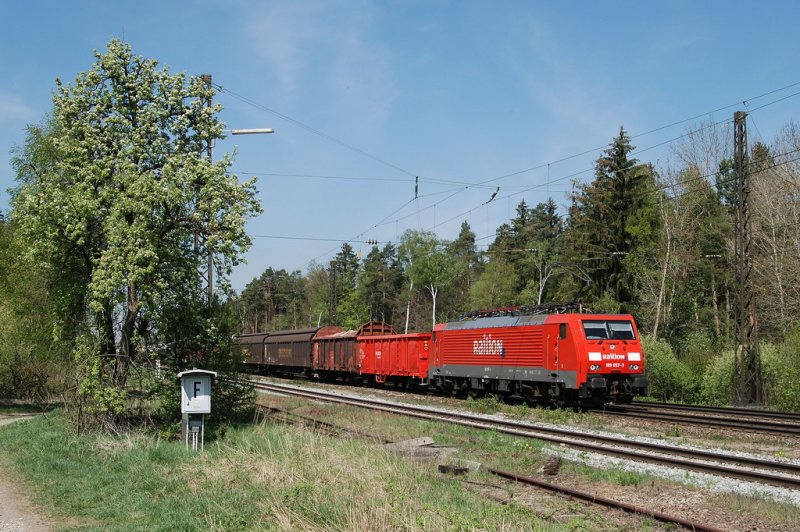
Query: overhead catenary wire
569 176
657 189
484 184
310 129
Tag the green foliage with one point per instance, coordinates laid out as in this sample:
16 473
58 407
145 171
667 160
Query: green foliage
670 379
428 264
606 304
532 245
34 353
619 477
613 221
780 373
344 269
496 286
717 384
697 275
780 366
117 197
254 478
464 250
697 350
380 282
274 301
488 404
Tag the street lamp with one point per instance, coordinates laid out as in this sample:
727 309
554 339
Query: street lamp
256 131
253 131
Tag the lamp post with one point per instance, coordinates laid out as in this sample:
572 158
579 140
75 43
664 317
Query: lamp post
254 131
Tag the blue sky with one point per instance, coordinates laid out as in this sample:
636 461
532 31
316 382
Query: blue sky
366 95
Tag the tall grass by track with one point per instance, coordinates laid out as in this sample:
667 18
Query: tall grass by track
267 477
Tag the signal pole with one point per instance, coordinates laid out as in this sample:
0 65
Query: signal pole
747 365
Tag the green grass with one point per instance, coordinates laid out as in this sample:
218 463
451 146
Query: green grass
488 404
273 476
614 476
256 478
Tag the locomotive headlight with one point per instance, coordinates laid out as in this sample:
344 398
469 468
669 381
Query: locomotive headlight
594 367
634 366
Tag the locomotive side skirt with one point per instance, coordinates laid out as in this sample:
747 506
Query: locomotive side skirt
532 374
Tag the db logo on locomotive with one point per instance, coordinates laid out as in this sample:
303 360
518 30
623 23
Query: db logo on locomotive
487 346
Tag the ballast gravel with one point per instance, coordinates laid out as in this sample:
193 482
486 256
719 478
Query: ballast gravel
705 481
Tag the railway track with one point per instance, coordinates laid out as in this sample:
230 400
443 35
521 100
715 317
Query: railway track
747 420
720 410
336 431
775 473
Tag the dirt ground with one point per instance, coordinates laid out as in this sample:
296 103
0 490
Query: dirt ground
17 514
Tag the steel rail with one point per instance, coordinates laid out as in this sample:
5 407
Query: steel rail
622 447
789 416
335 430
752 425
604 501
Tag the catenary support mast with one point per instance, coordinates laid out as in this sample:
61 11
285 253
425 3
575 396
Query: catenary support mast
747 366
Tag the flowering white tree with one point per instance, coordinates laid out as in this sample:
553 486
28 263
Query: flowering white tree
115 191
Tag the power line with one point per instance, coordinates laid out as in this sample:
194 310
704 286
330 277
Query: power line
483 184
521 250
362 178
315 239
526 170
310 129
634 152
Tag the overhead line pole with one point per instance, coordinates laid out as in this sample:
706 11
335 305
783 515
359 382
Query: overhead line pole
747 365
210 149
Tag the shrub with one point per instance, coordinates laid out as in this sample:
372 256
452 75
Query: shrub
717 385
670 378
696 350
780 367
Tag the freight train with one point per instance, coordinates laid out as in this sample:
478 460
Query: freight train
537 353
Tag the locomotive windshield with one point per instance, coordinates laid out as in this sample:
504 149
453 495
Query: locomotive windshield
608 330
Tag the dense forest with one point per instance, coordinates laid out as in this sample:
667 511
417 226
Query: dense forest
653 242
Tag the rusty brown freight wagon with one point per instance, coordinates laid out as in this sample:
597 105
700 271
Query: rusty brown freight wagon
290 351
336 354
252 348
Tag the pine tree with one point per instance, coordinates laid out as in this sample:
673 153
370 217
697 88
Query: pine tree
613 220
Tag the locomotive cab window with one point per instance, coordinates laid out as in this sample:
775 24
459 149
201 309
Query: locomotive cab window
562 331
608 330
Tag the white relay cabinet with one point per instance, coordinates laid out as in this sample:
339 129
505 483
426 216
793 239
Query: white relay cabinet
196 391
195 403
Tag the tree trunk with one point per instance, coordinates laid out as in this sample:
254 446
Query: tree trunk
123 361
434 291
408 307
660 299
714 303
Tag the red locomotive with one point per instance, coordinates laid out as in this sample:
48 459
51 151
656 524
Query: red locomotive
572 358
536 353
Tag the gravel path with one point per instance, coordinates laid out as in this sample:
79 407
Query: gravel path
17 514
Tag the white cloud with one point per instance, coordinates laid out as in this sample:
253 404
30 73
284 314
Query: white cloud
326 48
13 108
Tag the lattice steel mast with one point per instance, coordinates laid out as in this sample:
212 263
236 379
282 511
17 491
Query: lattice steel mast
747 366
